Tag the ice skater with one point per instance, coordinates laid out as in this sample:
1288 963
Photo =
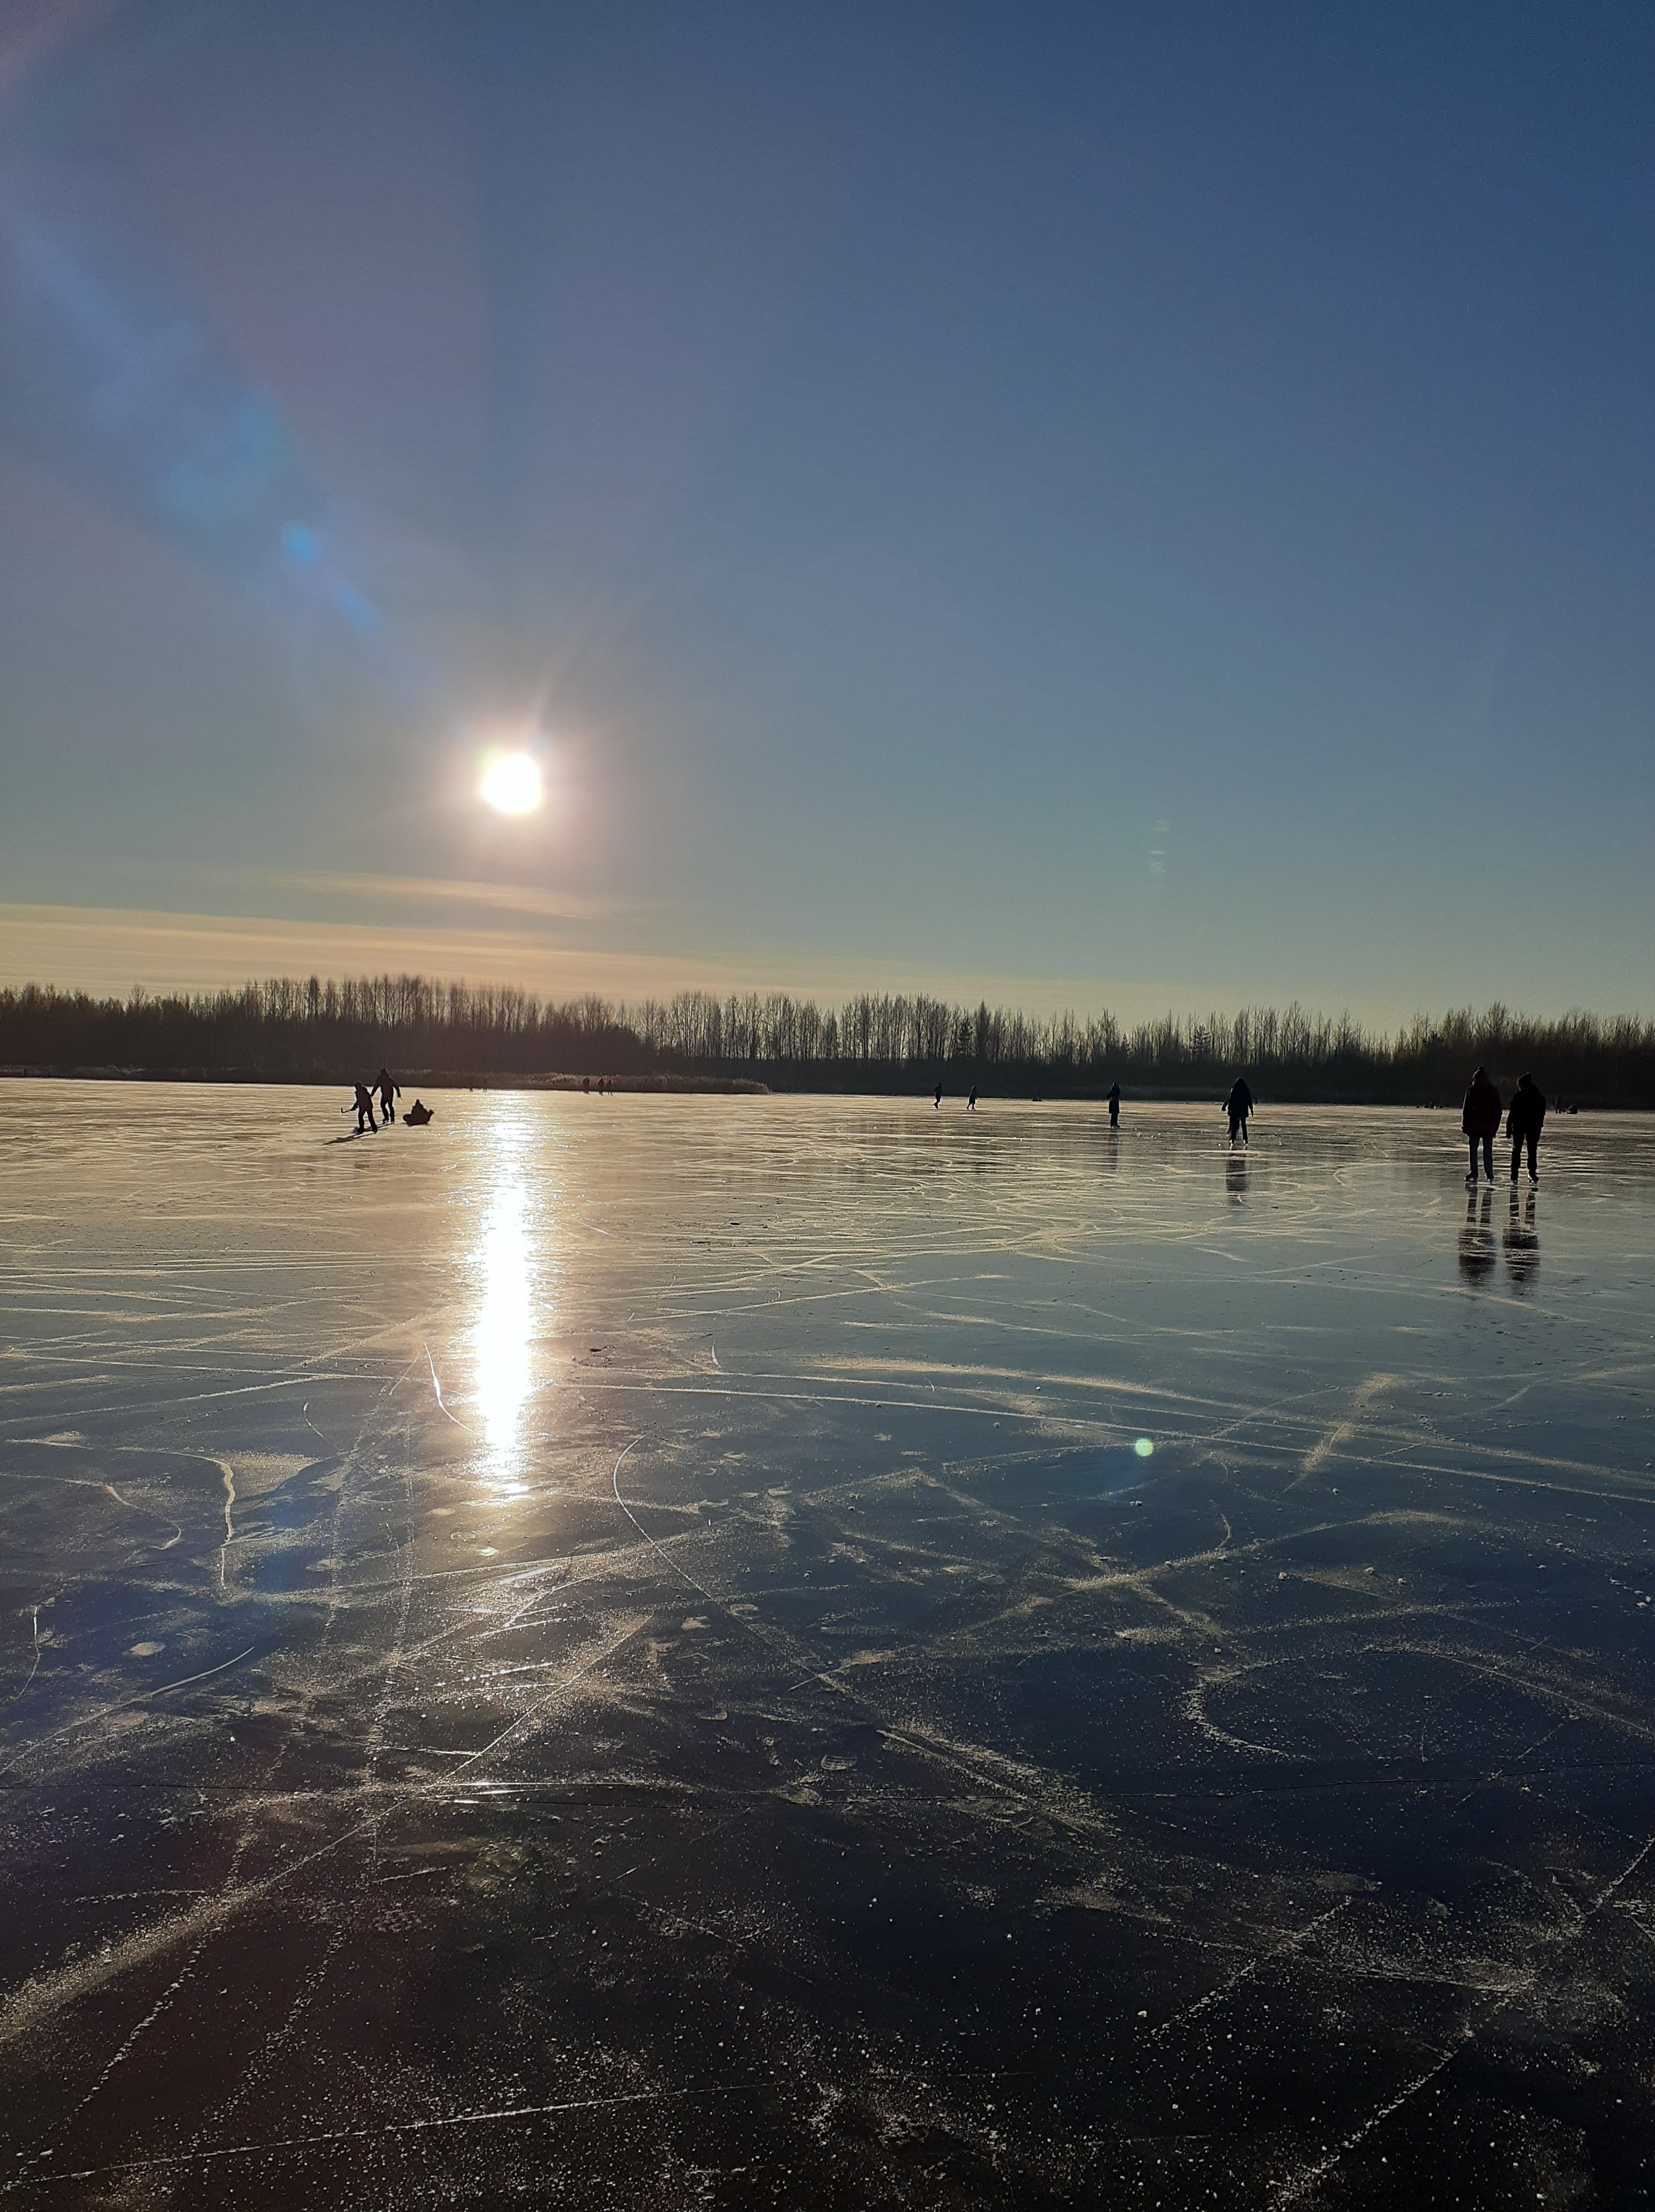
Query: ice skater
1480 1121
1238 1105
1113 1095
1523 1123
365 1121
971 1103
390 1090
937 1101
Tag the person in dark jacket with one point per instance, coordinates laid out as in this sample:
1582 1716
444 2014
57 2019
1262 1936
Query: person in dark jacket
1480 1120
390 1090
1113 1094
1524 1122
365 1121
1240 1104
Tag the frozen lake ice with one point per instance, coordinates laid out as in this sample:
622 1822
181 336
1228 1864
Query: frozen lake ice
816 1652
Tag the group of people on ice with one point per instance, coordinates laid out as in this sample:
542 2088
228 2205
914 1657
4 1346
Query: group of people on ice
389 1090
1480 1118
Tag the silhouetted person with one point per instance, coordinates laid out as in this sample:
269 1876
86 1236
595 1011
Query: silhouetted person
1480 1120
365 1121
937 1101
1113 1094
389 1091
1238 1105
586 1088
417 1115
1523 1123
971 1103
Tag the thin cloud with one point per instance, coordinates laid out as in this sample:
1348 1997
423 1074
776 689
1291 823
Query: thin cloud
111 950
543 905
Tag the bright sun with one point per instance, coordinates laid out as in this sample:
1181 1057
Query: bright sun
512 784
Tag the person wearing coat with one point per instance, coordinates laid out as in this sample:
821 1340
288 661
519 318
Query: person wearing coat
1479 1119
1524 1122
1240 1104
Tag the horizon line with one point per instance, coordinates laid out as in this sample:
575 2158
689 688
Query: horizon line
1496 1016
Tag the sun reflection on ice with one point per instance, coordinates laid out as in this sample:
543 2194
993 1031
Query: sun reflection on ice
502 1333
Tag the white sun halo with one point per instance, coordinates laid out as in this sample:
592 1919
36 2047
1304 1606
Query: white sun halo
511 785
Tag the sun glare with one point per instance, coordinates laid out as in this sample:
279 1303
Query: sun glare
511 784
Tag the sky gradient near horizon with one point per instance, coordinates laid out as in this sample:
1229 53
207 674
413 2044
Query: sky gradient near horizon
1088 505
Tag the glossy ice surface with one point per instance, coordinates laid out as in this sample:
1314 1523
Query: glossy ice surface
653 1652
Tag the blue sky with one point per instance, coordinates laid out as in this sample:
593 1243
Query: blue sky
1135 507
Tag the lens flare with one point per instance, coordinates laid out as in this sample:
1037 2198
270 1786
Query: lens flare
511 785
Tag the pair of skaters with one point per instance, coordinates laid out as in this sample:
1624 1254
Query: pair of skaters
388 1090
1480 1120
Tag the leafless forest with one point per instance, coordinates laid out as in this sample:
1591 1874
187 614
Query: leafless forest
311 1030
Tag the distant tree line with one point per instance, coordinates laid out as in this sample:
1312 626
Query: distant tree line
311 1030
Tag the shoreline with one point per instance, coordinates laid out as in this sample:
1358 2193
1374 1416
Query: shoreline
448 1079
433 1078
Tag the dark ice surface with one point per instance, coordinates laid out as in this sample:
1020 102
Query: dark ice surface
669 1652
